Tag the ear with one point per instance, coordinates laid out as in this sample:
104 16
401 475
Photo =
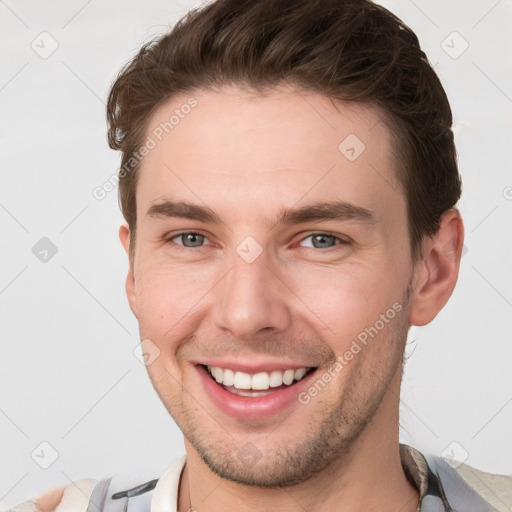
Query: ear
436 274
124 236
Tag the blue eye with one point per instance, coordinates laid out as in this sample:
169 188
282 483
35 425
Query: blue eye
189 239
192 240
322 240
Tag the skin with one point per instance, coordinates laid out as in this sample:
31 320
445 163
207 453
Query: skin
49 501
246 156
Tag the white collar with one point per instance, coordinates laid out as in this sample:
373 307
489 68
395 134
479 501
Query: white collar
165 497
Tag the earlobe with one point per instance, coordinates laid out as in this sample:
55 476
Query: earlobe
436 274
124 236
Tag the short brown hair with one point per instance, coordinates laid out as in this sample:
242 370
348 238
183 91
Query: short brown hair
348 50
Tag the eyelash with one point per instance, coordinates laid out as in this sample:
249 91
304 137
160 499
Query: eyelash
341 241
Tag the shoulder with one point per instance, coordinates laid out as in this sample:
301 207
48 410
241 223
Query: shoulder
449 484
496 489
74 496
136 485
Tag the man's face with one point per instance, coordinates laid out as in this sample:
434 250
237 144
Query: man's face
256 289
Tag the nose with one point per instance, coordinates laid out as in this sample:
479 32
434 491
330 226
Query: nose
251 300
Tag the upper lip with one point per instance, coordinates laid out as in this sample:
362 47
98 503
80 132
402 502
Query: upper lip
253 367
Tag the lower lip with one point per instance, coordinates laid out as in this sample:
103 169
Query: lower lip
252 408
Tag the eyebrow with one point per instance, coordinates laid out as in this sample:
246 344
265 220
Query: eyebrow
330 210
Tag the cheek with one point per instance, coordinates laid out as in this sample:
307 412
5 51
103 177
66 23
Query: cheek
167 291
343 302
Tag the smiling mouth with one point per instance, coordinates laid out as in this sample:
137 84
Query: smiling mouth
257 384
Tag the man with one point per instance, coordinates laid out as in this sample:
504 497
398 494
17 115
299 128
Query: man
289 183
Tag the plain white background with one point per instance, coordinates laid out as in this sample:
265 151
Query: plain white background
69 376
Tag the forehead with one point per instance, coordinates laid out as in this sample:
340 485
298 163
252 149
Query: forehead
250 153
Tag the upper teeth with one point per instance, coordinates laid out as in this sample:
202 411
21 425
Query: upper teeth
259 381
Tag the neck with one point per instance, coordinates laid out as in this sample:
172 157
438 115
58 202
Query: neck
369 477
